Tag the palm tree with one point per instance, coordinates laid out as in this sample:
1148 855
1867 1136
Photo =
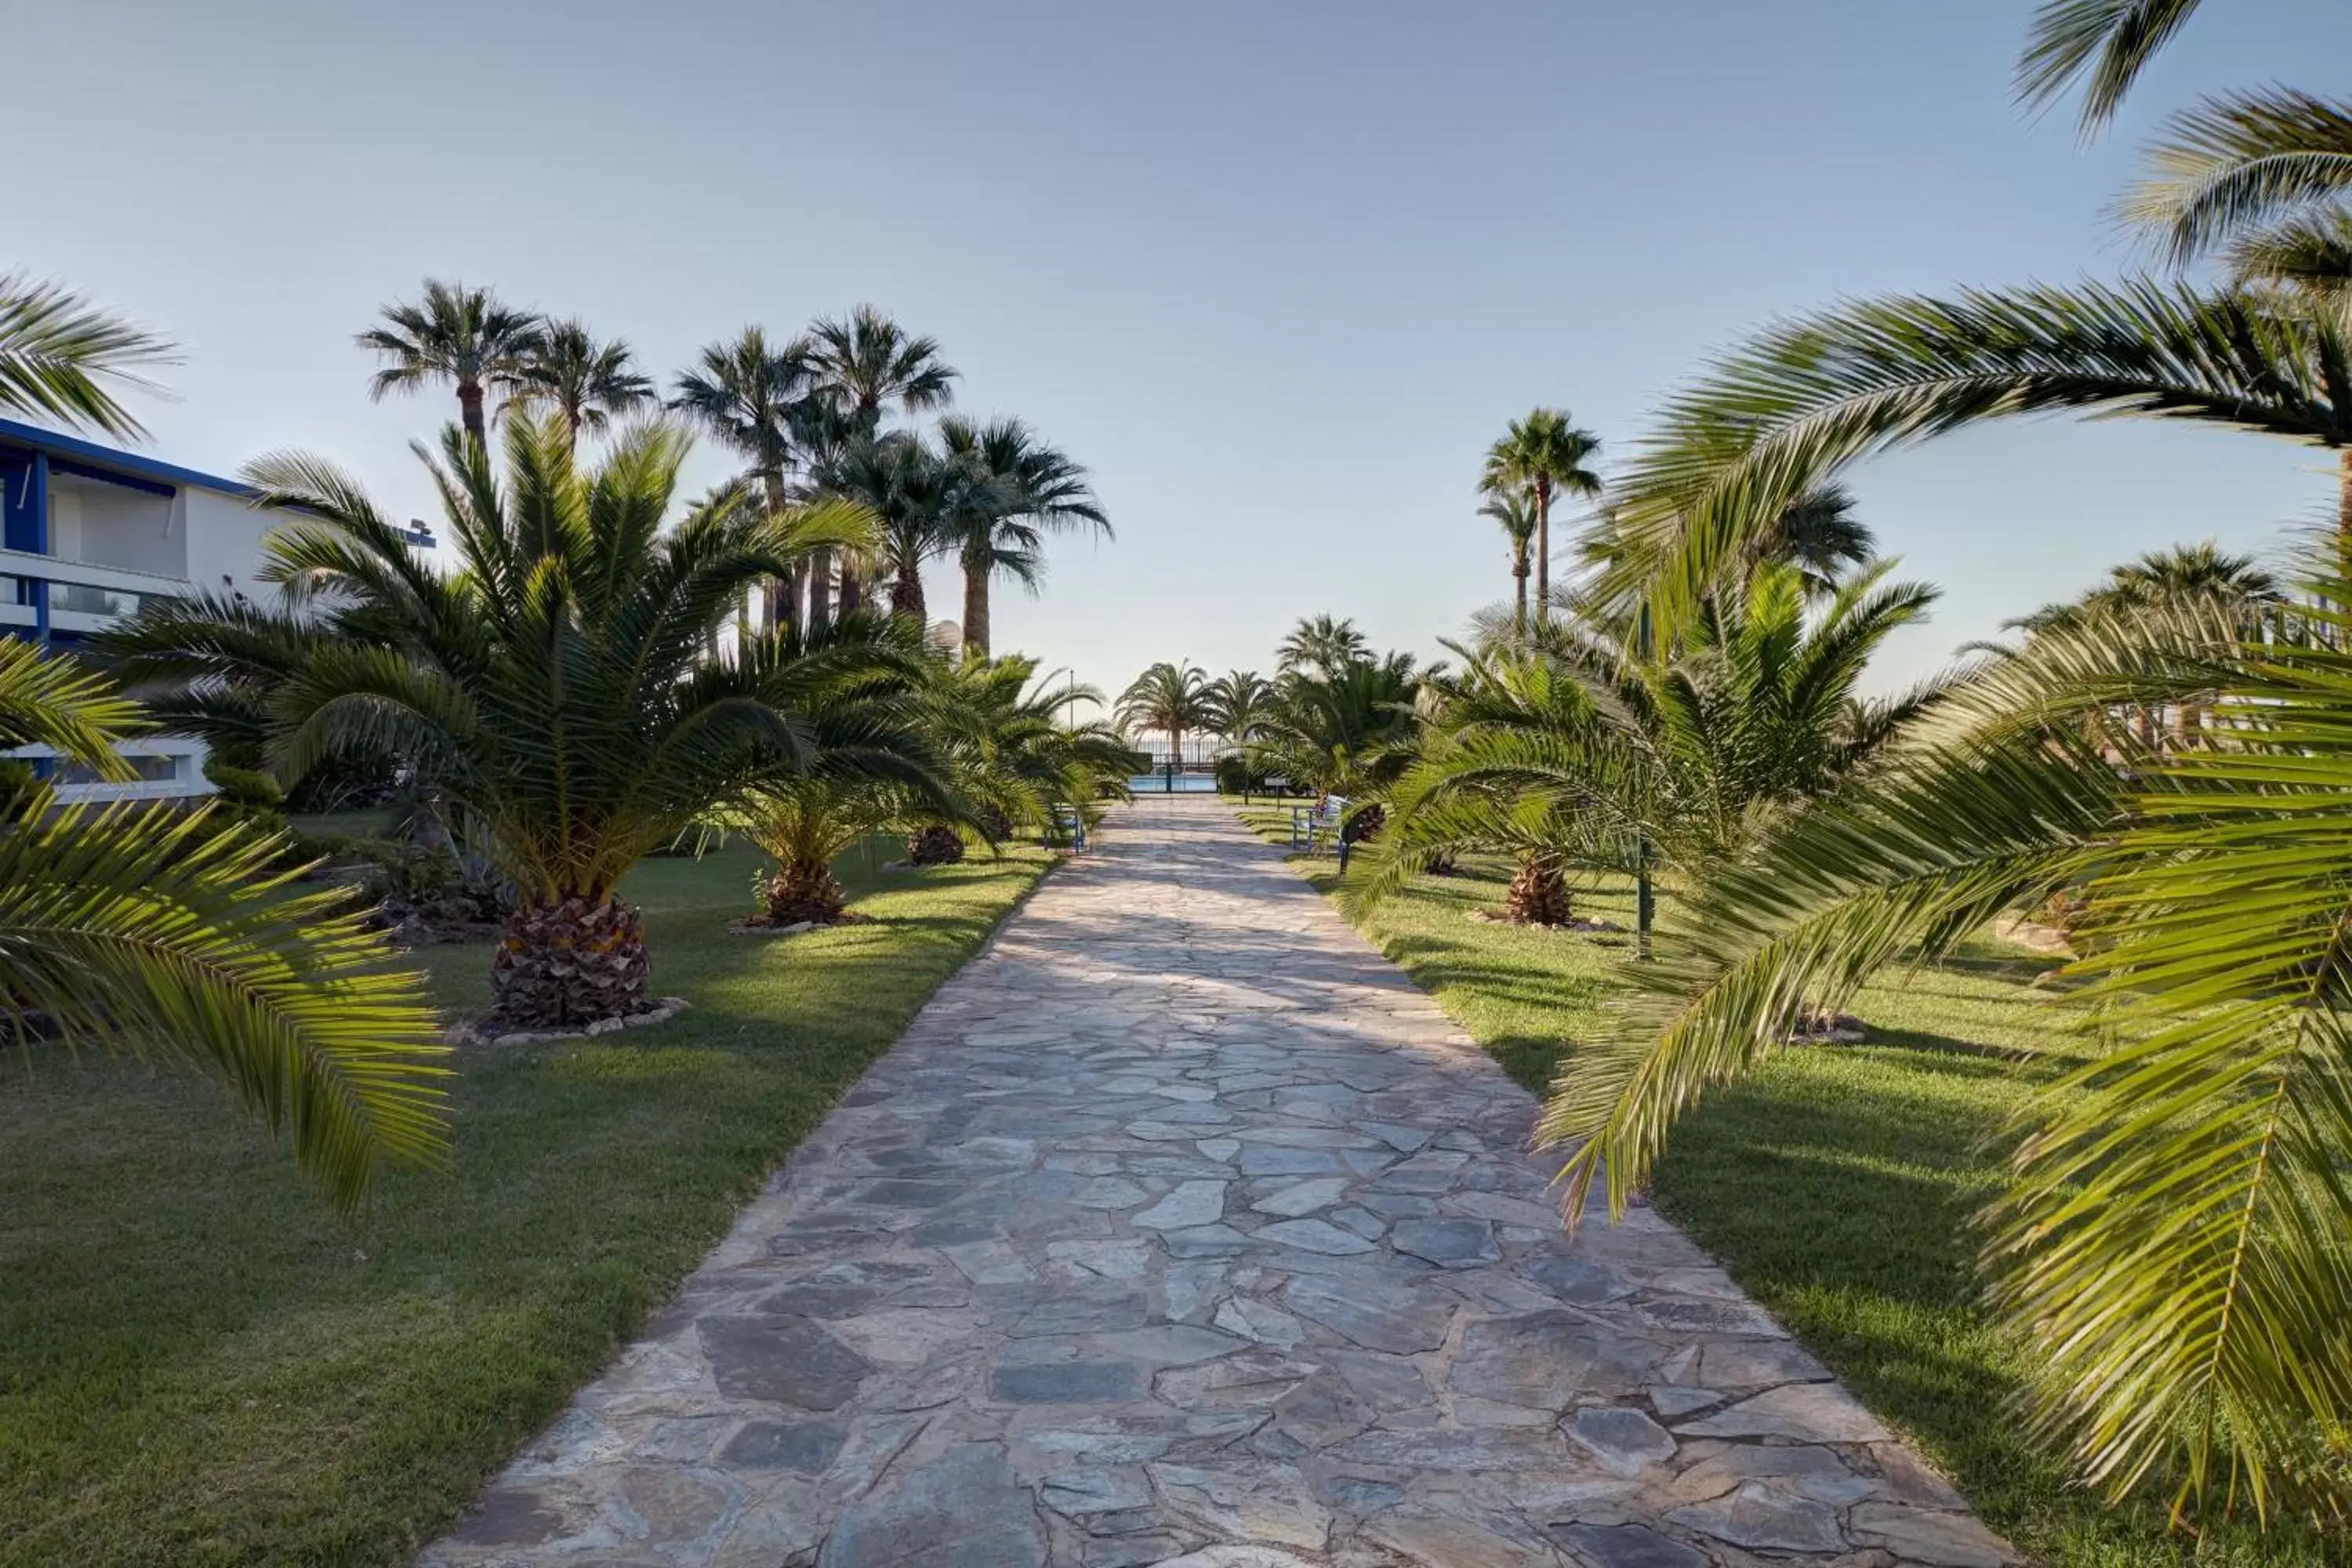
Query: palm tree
177 938
747 392
910 490
864 365
1242 701
2102 45
874 763
1542 456
1015 489
463 336
58 355
589 382
1573 751
557 689
1786 413
1342 729
1019 763
1325 644
1516 514
1170 698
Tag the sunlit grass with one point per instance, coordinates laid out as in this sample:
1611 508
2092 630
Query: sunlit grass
200 1365
1838 1187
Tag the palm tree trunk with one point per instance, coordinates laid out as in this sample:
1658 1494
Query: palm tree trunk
469 410
570 962
2344 512
1519 580
785 596
975 608
805 891
820 589
1645 906
853 591
1543 550
907 594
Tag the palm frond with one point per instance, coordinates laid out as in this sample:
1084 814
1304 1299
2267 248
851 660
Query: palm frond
59 354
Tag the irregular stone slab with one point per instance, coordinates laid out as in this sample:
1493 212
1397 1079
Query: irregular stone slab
1629 1546
1191 1204
1303 1197
1809 1412
1082 1493
1448 1243
962 1511
1626 1442
1766 1518
1065 1382
792 1360
805 1448
1944 1540
1546 1359
1312 1234
1265 1504
1376 1315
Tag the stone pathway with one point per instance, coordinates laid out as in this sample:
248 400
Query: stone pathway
1183 1229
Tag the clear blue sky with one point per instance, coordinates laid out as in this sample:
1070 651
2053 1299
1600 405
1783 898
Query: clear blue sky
1276 272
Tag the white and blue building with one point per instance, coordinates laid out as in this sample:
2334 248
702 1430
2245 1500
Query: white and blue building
87 532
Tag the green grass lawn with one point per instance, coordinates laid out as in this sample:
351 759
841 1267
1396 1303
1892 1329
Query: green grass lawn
1836 1186
199 1364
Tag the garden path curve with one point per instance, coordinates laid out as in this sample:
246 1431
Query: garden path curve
1181 1228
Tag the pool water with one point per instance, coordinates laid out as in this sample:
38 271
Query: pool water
1182 783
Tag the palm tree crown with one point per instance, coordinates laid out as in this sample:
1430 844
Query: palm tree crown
466 337
1171 699
588 382
1542 456
59 357
867 364
1325 644
1014 490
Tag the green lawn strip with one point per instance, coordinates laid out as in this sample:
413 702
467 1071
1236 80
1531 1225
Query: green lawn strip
1836 1186
200 1365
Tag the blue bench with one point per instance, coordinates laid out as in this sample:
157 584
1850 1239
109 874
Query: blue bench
1068 827
1311 826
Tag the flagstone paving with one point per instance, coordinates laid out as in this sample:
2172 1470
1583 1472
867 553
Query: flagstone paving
1183 1229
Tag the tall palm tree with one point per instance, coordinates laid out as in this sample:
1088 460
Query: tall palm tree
466 337
910 490
557 689
865 366
589 382
1517 513
177 938
1014 490
1542 456
1323 644
60 355
746 392
1171 699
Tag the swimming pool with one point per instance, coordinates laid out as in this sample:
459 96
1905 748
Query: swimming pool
1181 783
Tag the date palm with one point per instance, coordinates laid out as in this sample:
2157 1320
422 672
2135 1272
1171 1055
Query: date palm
1573 751
1015 758
2100 45
556 690
177 938
466 337
1341 728
745 392
1541 456
1014 490
1172 699
588 382
60 357
1242 701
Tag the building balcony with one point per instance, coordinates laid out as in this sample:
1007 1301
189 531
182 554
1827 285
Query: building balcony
82 596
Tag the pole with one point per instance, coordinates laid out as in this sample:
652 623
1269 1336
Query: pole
1644 905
